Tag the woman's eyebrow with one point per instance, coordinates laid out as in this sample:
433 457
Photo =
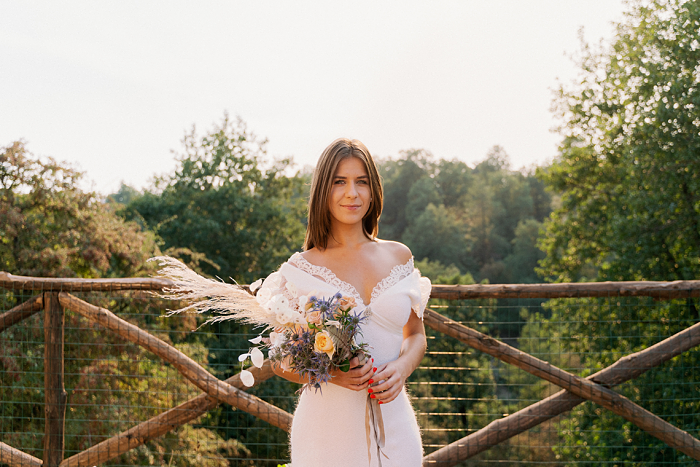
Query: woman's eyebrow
344 177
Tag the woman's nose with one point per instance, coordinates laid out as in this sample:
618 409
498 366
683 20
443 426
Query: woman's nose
351 190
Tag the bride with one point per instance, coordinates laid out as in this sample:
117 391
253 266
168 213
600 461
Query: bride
342 253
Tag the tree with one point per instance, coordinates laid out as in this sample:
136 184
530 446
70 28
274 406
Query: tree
629 165
446 211
124 196
519 263
421 194
49 227
435 234
220 202
482 208
453 179
629 177
399 176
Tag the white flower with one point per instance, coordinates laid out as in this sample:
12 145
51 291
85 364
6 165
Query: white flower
332 322
302 301
277 339
284 316
247 378
256 285
256 340
299 319
279 307
278 303
292 288
257 357
263 295
244 357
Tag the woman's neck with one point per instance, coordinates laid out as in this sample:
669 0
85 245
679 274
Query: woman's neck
346 236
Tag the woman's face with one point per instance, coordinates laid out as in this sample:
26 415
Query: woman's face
350 192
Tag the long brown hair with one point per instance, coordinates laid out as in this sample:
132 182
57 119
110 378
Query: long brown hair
319 226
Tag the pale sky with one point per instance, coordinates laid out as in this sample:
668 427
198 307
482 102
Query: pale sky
111 86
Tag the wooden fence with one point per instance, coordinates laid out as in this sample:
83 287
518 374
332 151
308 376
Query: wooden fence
56 296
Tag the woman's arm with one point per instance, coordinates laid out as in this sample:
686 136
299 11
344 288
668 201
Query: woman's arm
395 373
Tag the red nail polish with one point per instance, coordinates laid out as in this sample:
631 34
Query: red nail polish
375 369
372 396
371 381
372 360
380 402
370 390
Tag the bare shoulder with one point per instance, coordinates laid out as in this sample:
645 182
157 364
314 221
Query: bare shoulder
314 255
398 251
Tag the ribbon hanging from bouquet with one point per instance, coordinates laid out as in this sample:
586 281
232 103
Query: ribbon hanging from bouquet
374 423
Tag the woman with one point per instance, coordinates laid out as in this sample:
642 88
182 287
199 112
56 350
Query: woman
337 426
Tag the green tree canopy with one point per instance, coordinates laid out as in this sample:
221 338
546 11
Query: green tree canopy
49 227
629 177
450 213
222 203
629 165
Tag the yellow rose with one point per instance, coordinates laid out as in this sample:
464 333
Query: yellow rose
324 343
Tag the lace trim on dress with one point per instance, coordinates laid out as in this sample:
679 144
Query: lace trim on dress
326 274
397 274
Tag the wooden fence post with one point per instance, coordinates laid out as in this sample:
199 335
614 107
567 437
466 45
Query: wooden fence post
54 390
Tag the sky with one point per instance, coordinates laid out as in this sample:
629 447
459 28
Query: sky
112 86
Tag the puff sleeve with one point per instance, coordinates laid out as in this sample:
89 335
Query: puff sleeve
420 293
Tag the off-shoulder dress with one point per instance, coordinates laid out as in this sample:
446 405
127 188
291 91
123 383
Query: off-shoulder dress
329 426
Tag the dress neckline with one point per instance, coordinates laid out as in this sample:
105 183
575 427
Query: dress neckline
397 274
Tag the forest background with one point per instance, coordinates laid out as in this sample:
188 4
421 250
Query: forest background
620 202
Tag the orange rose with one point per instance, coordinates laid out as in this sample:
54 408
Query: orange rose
348 302
314 317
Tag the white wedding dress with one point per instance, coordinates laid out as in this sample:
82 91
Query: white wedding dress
329 425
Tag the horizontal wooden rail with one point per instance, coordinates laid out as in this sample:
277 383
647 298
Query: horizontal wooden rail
181 362
48 284
625 369
581 387
16 458
158 425
21 311
658 290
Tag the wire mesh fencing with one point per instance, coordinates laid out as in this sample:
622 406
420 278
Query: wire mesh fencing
459 391
113 385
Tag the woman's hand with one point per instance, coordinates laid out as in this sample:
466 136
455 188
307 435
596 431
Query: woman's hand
357 378
391 377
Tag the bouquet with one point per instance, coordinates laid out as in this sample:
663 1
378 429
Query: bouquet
310 335
324 339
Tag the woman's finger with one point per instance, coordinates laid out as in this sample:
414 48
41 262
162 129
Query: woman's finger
381 386
389 394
